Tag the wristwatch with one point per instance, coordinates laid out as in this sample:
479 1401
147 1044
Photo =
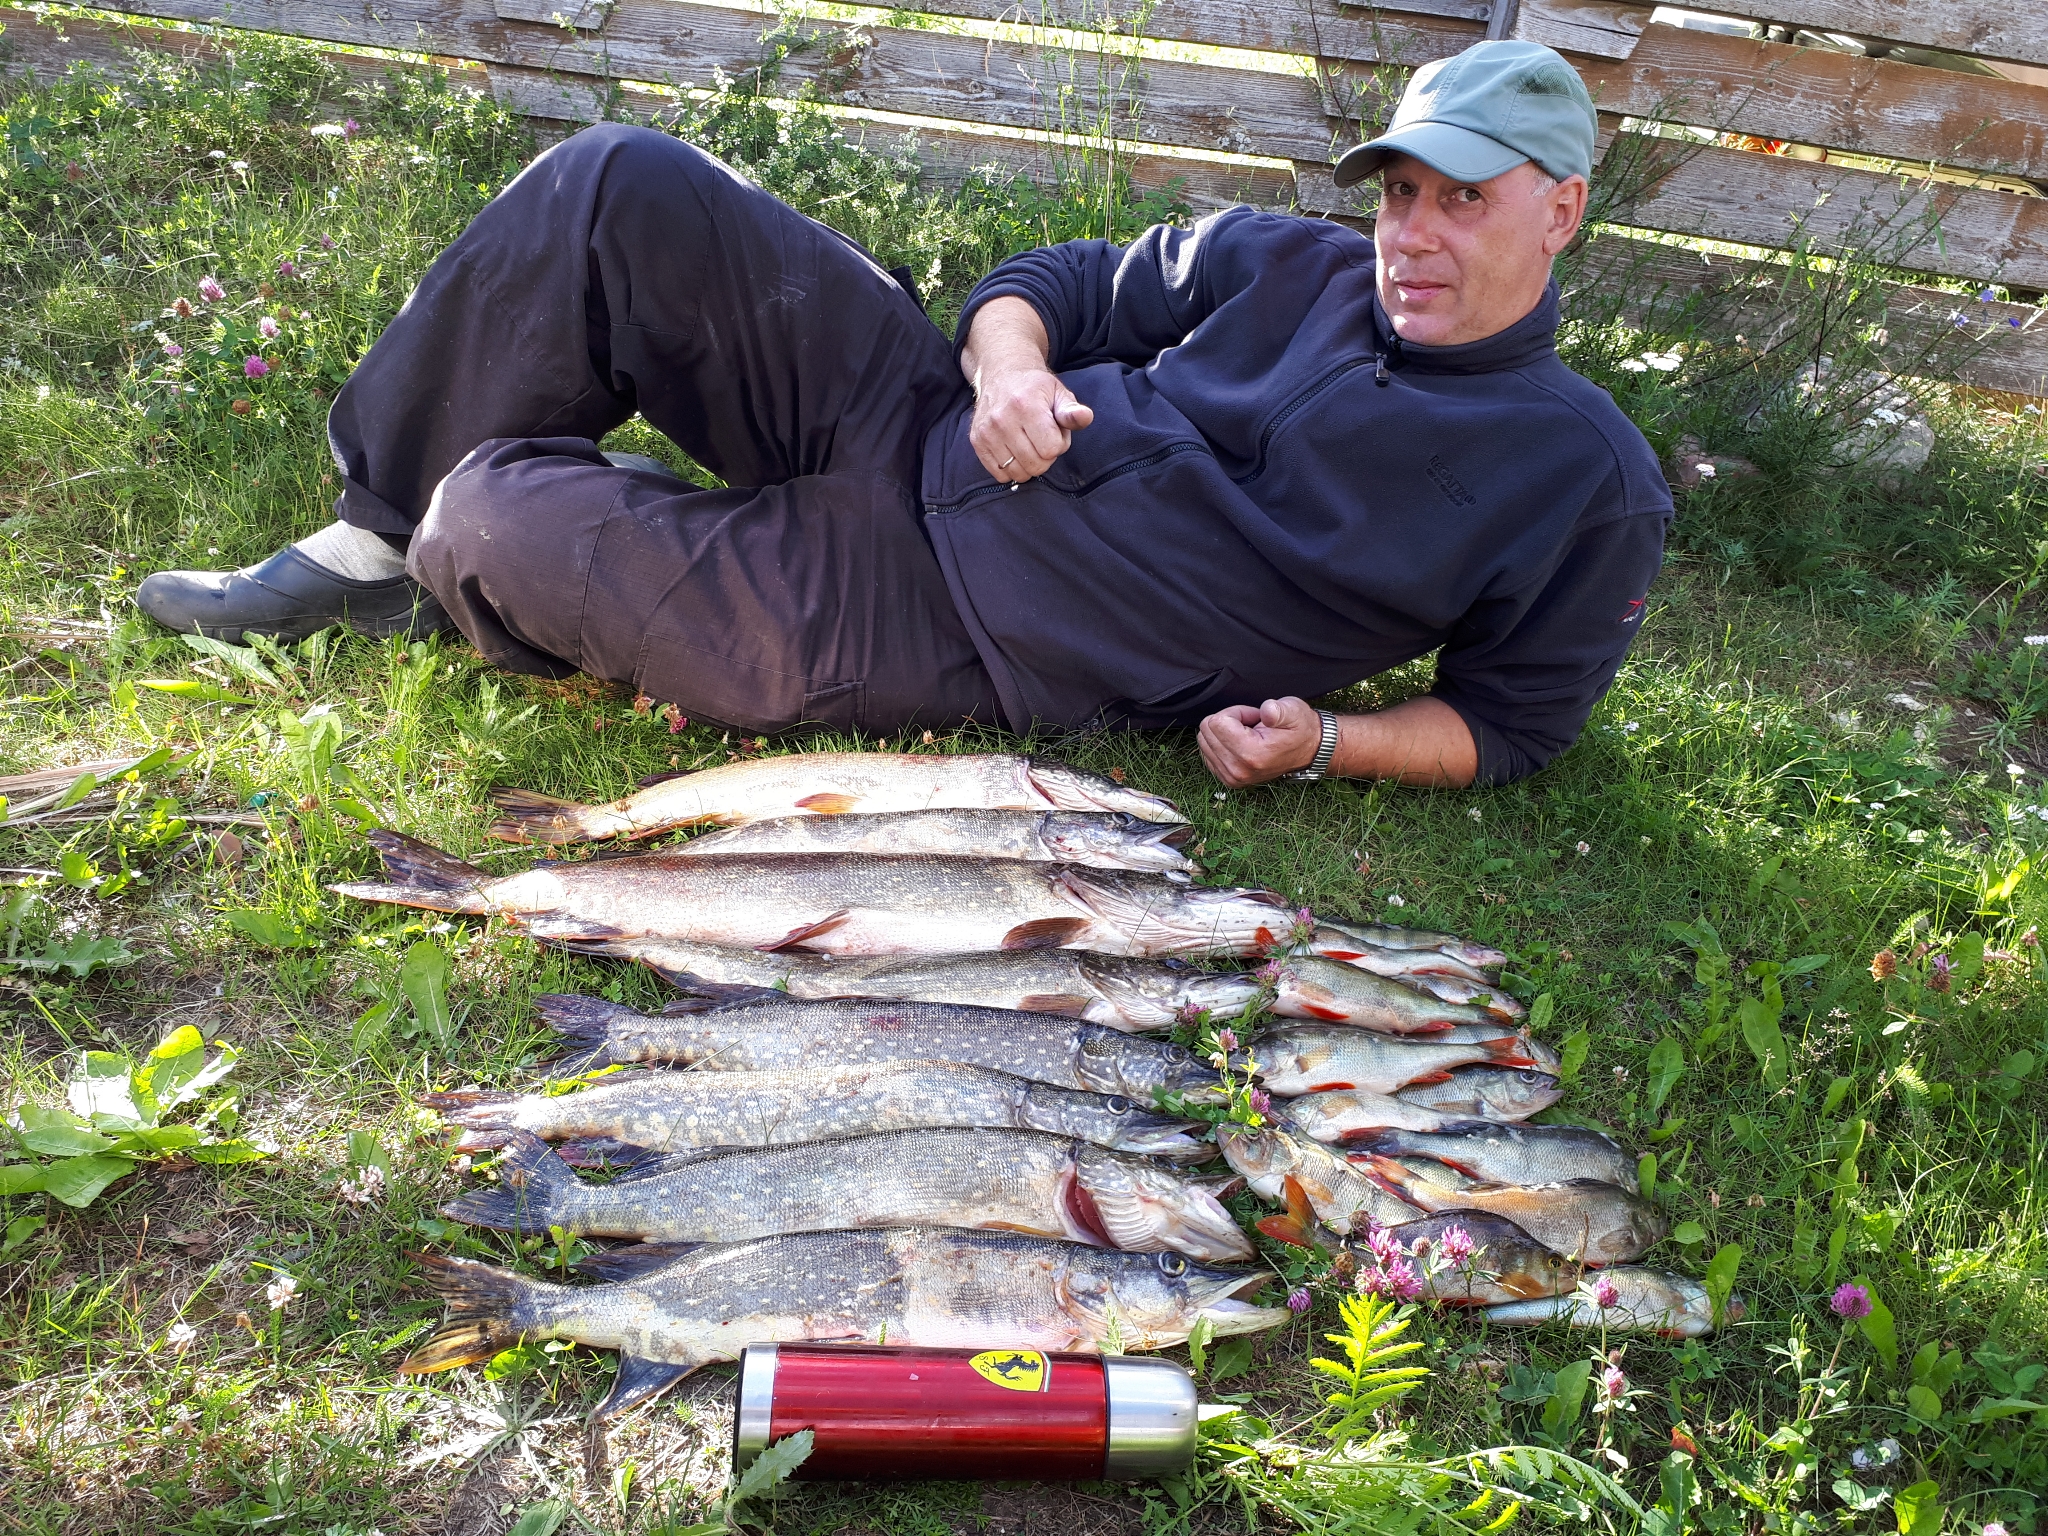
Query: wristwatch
1327 749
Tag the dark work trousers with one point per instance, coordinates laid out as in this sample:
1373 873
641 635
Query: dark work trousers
626 271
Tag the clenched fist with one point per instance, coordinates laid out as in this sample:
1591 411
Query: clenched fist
1024 417
1243 746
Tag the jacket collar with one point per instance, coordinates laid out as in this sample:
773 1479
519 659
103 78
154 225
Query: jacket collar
1529 340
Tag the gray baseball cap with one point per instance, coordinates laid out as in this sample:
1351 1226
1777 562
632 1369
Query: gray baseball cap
1483 112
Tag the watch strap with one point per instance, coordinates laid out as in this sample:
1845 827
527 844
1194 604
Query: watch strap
1325 750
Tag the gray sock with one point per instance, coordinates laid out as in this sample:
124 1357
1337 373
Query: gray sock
353 552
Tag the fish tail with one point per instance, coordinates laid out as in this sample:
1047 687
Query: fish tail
484 1307
585 1021
421 876
487 1117
533 1187
525 816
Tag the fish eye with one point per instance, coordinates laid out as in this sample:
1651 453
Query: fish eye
1172 1265
1117 1104
1177 1053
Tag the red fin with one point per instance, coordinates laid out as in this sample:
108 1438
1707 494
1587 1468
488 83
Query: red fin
828 804
1332 1087
1428 1077
1330 953
1284 1229
1045 933
1298 1205
796 937
1506 1051
1069 1004
1334 1015
1386 1173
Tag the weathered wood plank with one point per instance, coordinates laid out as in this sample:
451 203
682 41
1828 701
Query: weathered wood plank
908 70
1591 27
1771 200
1988 350
2012 30
584 15
1835 100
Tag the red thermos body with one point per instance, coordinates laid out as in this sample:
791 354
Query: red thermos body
886 1412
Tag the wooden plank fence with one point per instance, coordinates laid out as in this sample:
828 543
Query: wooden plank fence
1941 169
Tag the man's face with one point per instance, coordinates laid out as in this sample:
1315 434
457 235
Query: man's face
1461 260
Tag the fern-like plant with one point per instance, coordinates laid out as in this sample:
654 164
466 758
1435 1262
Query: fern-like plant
1368 1378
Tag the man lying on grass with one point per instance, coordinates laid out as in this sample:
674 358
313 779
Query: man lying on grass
1248 461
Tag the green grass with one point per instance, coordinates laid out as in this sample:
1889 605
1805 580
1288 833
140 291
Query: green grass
1735 774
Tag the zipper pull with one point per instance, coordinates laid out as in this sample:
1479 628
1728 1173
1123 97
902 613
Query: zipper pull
1380 376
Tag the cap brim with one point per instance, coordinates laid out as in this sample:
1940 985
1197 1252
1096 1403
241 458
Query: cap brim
1458 153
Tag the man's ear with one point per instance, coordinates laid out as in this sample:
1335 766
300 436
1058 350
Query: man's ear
1567 212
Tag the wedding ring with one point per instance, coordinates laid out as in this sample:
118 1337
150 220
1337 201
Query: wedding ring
1007 462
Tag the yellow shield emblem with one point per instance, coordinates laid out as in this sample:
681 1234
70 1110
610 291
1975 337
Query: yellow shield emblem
1020 1370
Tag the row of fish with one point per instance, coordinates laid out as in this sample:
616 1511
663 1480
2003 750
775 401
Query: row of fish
916 1100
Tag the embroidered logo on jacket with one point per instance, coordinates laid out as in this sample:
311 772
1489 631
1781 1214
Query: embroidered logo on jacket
1632 612
1440 472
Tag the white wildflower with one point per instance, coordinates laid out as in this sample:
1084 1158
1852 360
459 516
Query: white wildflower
1474 813
2016 770
216 154
365 1187
1917 835
280 1291
1663 362
326 131
1396 901
238 165
2037 640
180 1336
1629 728
1584 849
1704 471
1634 365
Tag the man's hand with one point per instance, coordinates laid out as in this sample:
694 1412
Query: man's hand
1420 741
1024 417
1244 746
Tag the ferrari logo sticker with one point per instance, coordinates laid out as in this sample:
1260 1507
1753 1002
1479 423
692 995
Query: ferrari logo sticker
1020 1370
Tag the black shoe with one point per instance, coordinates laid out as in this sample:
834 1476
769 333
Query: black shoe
287 597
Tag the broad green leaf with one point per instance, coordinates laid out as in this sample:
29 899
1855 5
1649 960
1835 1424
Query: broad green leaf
1720 1278
80 955
1667 1066
1198 1343
1233 1358
1766 1040
235 1151
58 1133
1572 1054
77 1180
1880 1328
192 688
20 1178
423 978
103 1089
1567 1396
171 1068
1688 1232
1541 1010
1918 1509
160 1140
239 658
1923 1403
365 1151
22 1228
1983 1413
772 1466
80 787
268 929
542 1519
1966 956
1646 1175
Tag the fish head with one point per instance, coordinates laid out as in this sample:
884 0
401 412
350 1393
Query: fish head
1263 1159
1641 1227
1076 789
1155 1300
1511 1093
1112 1061
1153 993
1119 841
1144 1208
1502 1253
1108 1120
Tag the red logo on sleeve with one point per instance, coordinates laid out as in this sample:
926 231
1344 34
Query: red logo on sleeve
1632 613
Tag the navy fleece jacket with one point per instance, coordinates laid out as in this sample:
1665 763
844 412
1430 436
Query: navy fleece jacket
1278 497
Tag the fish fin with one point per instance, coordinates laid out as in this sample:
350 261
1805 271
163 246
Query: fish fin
632 1261
406 896
566 931
586 1020
1507 1051
527 816
1385 1172
701 994
797 937
1439 1076
531 1182
481 1299
638 1381
1284 1229
1316 1011
413 862
478 1108
1298 1226
1070 1004
649 780
1222 1186
828 804
1046 933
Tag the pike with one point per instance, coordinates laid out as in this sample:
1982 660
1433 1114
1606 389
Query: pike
1650 1299
766 1030
1582 1219
1013 1181
857 904
666 1112
670 1315
1312 1058
1509 1153
1310 987
1099 839
823 784
1119 991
